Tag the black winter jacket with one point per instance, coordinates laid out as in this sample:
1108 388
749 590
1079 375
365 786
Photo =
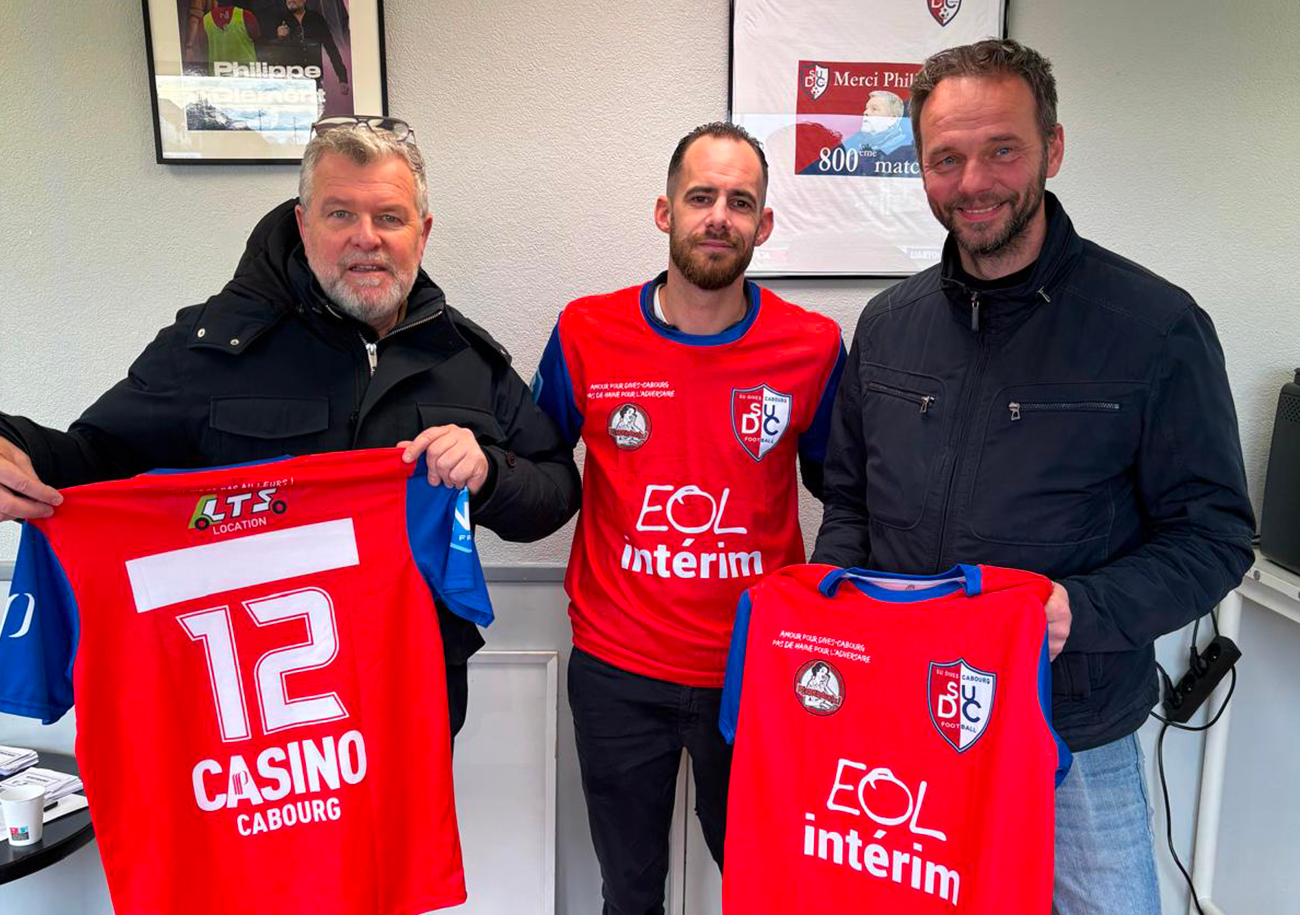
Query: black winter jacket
266 368
1079 426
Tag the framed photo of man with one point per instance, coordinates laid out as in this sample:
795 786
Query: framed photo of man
824 85
240 83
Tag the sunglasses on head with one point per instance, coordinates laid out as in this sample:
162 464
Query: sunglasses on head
398 128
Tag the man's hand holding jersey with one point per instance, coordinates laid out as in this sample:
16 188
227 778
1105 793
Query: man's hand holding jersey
1058 620
454 456
22 494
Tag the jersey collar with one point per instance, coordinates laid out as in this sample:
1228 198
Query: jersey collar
909 588
753 302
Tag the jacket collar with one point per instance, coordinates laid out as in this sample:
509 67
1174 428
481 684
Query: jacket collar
1005 309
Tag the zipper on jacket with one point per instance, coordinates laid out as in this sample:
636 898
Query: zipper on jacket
962 413
975 311
1079 406
372 349
405 327
372 361
924 401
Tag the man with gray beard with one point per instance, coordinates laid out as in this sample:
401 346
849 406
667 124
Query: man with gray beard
329 337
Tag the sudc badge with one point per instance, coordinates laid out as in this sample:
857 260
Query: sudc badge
960 698
814 78
943 11
759 417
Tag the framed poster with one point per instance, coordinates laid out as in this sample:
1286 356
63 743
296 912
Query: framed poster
824 85
243 83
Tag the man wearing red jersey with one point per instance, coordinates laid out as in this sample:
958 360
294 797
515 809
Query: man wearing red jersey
694 393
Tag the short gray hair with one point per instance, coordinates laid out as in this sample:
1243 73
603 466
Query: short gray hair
363 145
893 99
992 57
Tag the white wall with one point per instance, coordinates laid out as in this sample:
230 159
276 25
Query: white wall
548 128
548 131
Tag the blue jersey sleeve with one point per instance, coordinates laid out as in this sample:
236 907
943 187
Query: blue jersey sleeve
38 634
729 715
442 542
553 390
1064 758
812 443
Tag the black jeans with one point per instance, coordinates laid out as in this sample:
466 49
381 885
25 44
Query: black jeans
457 696
630 732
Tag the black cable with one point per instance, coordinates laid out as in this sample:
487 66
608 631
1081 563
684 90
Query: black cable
1169 683
1169 820
1194 661
1164 786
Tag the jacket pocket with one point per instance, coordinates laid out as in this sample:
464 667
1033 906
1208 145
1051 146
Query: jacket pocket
1017 409
486 429
1071 680
271 418
902 422
1053 462
922 401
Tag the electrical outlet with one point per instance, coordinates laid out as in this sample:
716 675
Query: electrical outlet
1216 659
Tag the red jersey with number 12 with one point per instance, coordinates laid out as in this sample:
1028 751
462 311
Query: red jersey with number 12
257 668
893 746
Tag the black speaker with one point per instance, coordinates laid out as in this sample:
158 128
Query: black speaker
1279 527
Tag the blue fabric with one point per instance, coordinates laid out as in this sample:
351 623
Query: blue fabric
729 715
1105 853
753 302
553 390
442 543
970 580
1063 756
812 444
171 471
38 634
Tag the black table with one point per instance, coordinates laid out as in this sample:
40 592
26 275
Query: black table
62 837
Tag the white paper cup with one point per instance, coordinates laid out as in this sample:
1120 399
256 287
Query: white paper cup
24 813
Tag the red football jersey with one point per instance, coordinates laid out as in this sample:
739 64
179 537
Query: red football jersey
690 491
894 751
262 709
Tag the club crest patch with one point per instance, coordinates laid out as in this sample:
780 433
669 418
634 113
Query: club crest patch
814 79
819 687
960 698
759 417
943 11
629 426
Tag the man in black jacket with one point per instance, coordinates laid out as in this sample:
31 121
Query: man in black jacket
329 337
1036 401
309 32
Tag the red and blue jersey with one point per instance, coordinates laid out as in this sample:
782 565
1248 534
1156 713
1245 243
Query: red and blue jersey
893 745
690 485
256 664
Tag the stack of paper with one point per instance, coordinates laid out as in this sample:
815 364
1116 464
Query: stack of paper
15 759
56 784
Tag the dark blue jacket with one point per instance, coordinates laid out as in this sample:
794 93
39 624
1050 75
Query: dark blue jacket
1079 426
